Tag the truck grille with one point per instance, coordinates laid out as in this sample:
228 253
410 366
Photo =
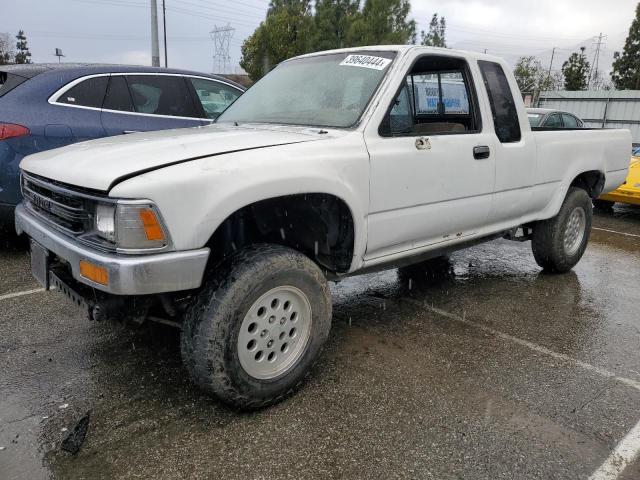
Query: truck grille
63 208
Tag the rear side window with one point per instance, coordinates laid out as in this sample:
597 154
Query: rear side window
118 97
503 107
553 121
161 95
88 93
215 97
570 121
9 81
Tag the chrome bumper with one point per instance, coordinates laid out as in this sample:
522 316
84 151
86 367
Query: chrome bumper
128 274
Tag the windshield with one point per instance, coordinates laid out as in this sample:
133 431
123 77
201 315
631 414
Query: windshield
325 91
535 119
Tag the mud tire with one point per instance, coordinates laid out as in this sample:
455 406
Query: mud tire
209 341
548 240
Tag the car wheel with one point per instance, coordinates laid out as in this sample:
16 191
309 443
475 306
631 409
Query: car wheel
257 326
559 243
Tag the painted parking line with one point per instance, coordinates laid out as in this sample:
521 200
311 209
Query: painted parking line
20 294
617 233
624 454
629 447
530 345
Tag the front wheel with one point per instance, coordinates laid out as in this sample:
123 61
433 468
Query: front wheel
559 243
257 326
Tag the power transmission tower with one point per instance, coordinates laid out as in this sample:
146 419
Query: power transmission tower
594 80
221 37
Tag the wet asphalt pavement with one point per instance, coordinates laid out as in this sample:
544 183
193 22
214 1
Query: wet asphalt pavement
494 371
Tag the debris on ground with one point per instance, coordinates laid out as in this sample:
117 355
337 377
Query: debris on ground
63 406
75 439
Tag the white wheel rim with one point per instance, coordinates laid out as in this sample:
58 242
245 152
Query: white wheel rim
574 231
274 332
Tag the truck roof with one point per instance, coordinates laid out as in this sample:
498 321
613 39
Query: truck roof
407 48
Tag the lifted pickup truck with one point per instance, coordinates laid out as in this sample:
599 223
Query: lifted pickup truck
334 164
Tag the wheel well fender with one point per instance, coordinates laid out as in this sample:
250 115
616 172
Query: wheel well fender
592 182
320 225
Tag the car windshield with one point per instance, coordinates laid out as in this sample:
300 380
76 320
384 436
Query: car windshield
535 119
325 91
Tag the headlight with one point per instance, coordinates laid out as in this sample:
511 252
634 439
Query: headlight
130 226
105 224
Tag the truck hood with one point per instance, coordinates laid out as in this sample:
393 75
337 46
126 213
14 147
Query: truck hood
100 164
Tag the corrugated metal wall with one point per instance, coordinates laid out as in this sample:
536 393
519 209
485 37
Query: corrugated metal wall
609 109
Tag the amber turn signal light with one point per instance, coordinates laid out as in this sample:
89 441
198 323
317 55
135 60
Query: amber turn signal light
152 228
94 272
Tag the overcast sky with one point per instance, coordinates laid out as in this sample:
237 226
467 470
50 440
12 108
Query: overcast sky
118 31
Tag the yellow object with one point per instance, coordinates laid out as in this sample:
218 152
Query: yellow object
152 228
94 272
629 191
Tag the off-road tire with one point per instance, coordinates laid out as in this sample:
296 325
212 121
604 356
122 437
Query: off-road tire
209 340
547 241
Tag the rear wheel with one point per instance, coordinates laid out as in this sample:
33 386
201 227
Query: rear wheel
257 327
559 243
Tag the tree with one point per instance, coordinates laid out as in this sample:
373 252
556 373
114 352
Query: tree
23 55
532 76
286 32
435 37
383 22
576 71
626 67
333 20
6 50
290 29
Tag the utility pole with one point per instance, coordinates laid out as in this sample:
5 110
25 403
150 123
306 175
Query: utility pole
553 54
164 30
155 50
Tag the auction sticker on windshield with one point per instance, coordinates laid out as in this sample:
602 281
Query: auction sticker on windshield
366 61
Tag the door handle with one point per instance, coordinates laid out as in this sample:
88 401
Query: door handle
481 152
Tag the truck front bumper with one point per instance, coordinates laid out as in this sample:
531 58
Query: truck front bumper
127 274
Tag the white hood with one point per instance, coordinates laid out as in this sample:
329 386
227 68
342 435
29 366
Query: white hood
98 164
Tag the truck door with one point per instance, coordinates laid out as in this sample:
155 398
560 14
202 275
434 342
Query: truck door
514 152
432 165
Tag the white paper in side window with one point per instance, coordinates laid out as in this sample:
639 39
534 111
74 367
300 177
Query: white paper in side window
366 61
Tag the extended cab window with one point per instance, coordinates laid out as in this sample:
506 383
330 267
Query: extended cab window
503 107
161 95
435 99
88 93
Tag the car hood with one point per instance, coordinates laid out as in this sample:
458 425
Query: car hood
100 164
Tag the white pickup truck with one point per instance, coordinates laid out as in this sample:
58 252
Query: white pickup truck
335 163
